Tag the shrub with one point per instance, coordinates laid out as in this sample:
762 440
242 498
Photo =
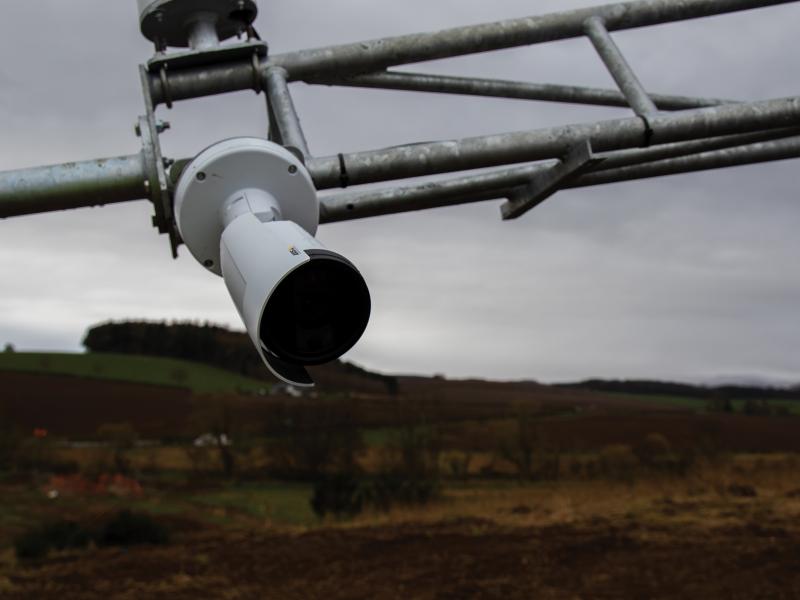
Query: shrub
58 535
530 453
31 545
390 489
124 529
128 529
742 490
66 534
459 463
340 495
655 452
121 439
313 439
344 495
619 462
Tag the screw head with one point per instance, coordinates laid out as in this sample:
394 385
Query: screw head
292 169
208 263
200 176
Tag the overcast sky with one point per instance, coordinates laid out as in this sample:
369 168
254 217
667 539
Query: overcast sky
691 277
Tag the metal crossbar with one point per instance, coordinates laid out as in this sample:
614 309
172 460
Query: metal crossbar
699 133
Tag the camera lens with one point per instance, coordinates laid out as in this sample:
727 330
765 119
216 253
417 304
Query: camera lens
317 312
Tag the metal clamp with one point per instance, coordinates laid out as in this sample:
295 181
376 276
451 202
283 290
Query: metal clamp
162 75
256 62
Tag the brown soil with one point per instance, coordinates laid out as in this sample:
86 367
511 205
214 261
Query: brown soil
468 558
591 432
78 406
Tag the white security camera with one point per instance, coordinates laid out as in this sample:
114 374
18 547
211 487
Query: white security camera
247 210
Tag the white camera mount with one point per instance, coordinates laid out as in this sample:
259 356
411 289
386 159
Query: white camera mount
270 180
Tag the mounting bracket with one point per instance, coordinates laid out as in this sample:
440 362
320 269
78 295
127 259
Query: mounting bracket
543 185
157 183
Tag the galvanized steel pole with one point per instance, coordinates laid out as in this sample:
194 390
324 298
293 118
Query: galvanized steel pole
500 183
718 159
72 185
492 150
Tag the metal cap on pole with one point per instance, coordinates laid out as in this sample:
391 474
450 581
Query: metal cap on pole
196 24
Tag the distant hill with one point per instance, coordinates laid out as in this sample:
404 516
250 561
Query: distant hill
222 348
685 390
233 351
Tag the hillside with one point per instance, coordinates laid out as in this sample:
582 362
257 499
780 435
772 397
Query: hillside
149 370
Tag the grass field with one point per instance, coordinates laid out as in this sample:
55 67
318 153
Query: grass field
131 368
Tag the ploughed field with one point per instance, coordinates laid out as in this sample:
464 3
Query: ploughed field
71 396
704 548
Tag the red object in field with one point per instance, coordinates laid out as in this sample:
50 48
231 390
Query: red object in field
105 484
40 432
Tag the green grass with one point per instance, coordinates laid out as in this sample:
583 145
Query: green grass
235 505
700 405
793 406
132 368
285 503
380 436
695 404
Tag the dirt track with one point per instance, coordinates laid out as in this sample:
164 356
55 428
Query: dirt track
463 559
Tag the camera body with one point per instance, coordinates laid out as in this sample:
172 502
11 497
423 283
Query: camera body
247 210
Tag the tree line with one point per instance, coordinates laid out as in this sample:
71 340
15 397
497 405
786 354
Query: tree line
666 388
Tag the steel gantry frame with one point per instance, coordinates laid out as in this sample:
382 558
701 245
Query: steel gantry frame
666 134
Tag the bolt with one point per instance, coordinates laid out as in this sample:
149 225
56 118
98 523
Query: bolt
200 176
292 169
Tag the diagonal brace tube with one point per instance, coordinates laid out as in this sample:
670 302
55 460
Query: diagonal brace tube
619 68
518 90
283 113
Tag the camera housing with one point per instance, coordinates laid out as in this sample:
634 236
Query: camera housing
247 210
